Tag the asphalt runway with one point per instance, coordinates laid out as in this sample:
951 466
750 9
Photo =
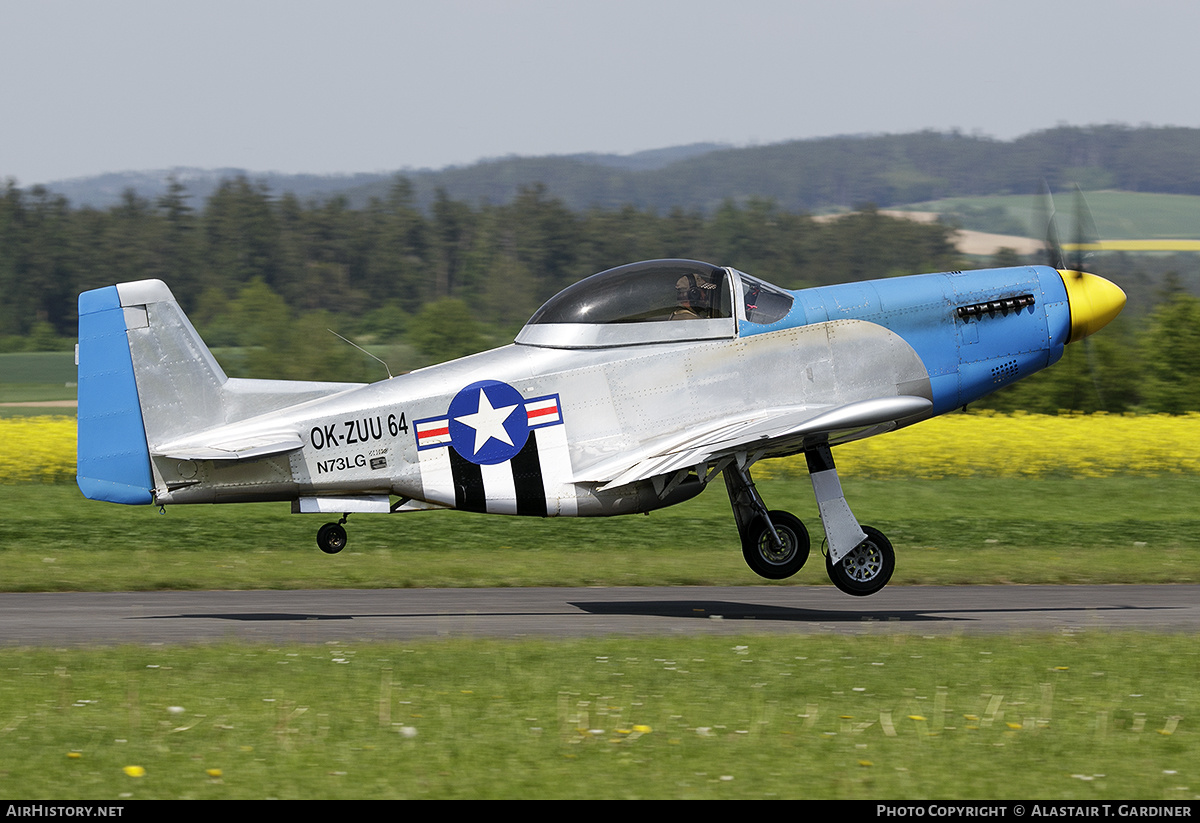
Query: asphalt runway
76 619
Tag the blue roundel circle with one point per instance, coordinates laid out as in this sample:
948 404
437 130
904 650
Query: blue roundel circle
488 423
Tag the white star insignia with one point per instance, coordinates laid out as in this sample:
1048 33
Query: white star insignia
488 422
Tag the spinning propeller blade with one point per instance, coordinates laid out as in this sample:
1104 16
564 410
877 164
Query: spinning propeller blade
1086 237
1094 300
1045 224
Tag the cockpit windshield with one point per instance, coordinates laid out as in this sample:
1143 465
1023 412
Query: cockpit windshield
764 303
653 302
640 293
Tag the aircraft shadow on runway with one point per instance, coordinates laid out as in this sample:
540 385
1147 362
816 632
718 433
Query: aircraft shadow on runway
695 609
757 611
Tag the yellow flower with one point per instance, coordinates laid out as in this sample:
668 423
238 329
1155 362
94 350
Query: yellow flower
213 772
641 729
74 755
135 771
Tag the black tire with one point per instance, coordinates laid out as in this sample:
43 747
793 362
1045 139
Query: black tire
760 555
867 568
331 538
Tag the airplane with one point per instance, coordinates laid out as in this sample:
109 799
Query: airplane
629 391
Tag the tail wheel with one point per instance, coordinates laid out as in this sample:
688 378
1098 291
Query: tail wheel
867 568
769 561
331 538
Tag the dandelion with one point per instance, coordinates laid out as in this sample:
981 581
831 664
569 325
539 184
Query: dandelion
74 755
641 729
134 771
1172 723
213 773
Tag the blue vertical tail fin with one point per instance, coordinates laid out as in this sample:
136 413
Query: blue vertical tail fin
113 459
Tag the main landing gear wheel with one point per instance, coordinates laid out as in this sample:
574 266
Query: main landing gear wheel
867 568
764 558
331 538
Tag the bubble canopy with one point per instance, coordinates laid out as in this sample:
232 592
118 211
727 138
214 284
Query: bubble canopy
652 302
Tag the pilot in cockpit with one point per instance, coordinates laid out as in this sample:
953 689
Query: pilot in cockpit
694 298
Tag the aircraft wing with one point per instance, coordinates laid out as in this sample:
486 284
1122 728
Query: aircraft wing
777 429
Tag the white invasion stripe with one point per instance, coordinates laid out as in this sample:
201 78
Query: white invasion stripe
437 479
499 489
555 457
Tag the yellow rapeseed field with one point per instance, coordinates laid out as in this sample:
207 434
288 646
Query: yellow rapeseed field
986 444
42 449
37 449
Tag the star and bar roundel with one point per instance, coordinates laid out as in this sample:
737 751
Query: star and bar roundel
488 422
497 451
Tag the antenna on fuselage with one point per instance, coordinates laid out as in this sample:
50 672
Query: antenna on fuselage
364 351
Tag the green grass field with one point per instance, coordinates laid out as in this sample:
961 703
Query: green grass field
1084 717
36 376
1117 214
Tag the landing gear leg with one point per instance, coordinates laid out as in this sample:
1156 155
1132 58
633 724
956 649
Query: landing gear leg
331 538
774 543
860 560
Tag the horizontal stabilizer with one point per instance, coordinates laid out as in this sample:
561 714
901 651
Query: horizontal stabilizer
247 448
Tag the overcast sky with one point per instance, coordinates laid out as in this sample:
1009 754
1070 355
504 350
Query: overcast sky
378 85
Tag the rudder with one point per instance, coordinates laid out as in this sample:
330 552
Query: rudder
112 457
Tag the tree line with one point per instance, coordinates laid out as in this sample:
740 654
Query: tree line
262 276
500 261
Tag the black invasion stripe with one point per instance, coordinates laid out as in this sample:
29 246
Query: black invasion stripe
468 484
527 479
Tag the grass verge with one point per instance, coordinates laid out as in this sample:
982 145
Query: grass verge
963 531
876 716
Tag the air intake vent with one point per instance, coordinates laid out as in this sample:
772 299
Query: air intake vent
1002 306
1005 372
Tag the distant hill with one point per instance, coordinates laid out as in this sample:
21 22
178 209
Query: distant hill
106 190
815 175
